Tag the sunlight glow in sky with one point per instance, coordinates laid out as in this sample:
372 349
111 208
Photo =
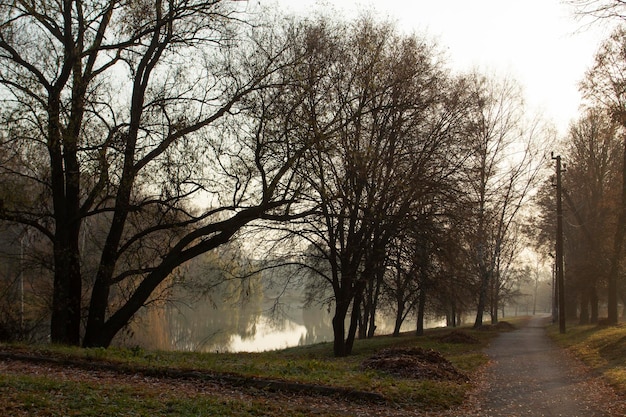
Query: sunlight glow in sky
537 42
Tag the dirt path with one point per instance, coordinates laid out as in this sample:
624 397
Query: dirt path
530 376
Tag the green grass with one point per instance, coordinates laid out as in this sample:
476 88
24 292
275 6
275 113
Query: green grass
37 395
603 348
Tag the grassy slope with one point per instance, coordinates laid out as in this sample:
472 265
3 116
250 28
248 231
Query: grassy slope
603 348
38 394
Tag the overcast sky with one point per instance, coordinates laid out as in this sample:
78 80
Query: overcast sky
537 42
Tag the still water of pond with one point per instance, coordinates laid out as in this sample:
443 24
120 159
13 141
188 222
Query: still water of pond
204 327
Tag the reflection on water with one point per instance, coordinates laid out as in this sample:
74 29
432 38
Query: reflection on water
270 336
202 326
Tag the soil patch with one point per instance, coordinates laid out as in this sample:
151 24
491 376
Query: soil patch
416 363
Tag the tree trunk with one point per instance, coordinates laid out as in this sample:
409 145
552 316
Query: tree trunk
399 315
94 333
339 327
453 314
617 249
593 299
372 320
356 311
482 299
354 317
571 307
65 183
421 307
584 308
495 301
364 313
66 299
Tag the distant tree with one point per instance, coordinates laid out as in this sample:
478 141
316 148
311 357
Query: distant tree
603 88
400 286
121 111
409 269
501 172
592 151
453 292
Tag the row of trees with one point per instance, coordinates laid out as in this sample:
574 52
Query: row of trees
139 135
594 185
417 177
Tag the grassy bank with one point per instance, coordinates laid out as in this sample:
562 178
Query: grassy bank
61 392
603 348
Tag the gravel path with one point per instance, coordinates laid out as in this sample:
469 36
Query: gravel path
530 376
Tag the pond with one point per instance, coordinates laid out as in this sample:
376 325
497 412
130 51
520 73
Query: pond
201 326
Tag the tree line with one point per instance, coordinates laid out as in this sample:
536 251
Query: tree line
594 183
139 135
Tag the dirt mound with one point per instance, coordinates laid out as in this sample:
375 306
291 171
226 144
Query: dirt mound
457 336
504 325
415 363
500 326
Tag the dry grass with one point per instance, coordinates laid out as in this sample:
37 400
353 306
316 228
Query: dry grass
602 348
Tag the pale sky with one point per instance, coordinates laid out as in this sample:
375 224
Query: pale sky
537 42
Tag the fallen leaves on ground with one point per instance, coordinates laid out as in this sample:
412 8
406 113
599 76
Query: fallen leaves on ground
414 362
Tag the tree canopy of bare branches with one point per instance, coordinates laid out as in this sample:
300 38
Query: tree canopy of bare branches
123 115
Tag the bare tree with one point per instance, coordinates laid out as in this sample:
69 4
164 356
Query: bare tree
600 9
385 115
121 111
500 174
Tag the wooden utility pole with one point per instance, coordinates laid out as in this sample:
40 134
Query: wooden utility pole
559 244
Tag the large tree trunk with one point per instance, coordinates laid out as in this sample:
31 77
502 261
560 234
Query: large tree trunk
94 334
65 182
339 328
66 299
